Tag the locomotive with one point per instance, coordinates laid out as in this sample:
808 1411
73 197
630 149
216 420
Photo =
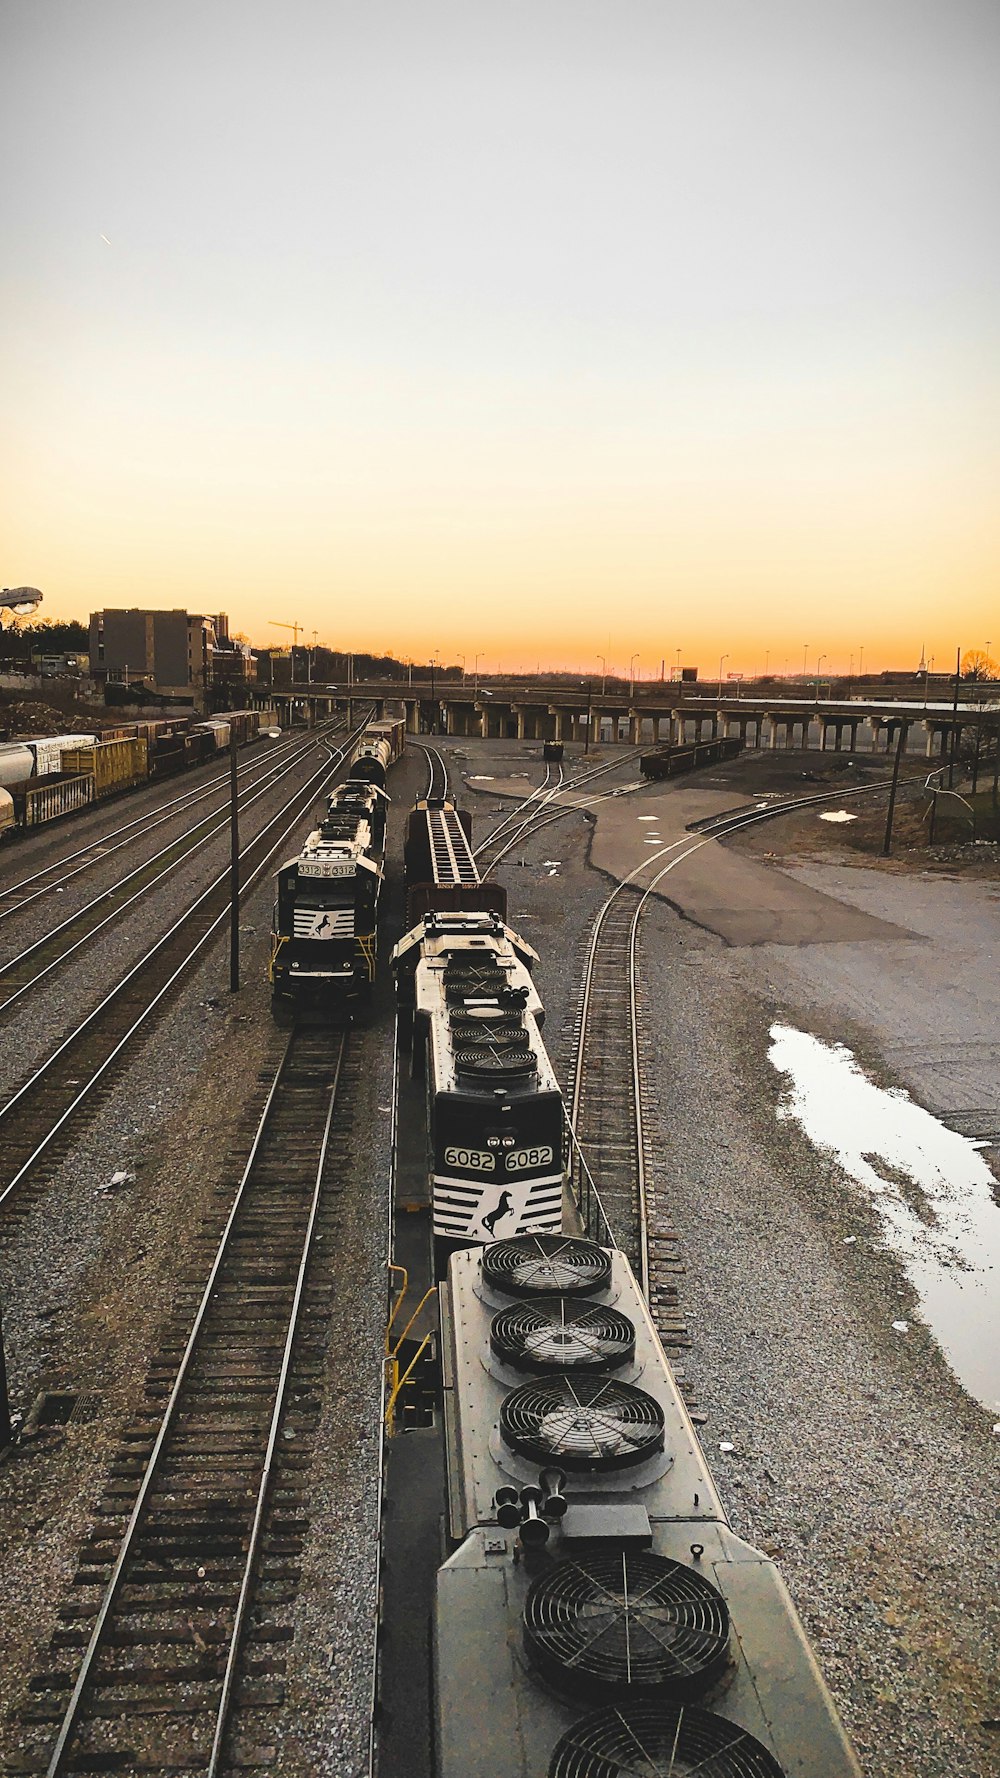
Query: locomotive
466 999
597 1616
495 1141
324 930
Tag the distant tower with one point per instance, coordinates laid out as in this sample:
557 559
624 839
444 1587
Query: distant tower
923 661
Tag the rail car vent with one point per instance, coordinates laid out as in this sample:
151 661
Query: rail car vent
487 1037
505 1062
624 1623
480 1027
553 1333
593 1424
537 1265
660 1741
474 984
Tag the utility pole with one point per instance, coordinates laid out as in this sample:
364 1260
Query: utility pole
6 1430
234 870
900 744
586 743
954 721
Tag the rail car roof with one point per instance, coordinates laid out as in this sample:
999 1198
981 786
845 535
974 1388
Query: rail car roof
437 934
325 855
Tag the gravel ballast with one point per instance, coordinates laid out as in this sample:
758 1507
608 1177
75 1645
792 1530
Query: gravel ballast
857 1459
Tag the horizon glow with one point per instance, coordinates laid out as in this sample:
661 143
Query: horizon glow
522 333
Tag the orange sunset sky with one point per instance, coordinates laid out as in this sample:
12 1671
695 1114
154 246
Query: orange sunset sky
542 333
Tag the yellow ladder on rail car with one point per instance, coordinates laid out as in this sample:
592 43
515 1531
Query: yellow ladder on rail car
394 1380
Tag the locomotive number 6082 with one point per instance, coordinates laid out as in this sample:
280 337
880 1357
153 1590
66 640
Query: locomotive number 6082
479 1159
519 1158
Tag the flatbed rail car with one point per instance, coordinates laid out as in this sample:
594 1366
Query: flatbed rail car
379 748
441 873
325 927
597 1614
495 1128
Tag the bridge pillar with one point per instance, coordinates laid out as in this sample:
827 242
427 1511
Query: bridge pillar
854 737
557 719
634 726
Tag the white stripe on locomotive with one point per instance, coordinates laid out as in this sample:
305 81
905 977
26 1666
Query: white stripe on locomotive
476 1212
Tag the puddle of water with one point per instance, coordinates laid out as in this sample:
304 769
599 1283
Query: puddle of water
647 817
837 815
654 839
931 1188
481 778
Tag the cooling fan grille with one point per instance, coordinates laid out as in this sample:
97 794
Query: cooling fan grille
582 1423
475 1030
660 1741
510 1060
536 1265
553 1333
619 1623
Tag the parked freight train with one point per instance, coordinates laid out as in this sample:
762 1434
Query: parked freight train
324 931
597 1616
466 999
48 776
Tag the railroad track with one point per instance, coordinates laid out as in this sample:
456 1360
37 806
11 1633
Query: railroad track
23 972
178 1601
36 1121
16 896
437 771
611 1117
510 833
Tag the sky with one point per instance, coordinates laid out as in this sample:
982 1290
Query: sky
542 331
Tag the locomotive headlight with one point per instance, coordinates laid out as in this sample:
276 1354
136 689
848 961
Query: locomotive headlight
508 1142
493 1142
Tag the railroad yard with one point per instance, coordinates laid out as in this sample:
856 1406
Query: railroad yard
840 1438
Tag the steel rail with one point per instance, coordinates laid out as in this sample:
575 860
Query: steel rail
276 1414
535 821
540 821
716 825
152 1467
251 794
681 849
99 848
381 1429
435 765
511 815
7 1109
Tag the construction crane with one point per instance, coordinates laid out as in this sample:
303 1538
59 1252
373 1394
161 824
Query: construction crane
295 628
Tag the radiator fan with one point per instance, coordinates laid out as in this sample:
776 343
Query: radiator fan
507 1061
660 1741
474 984
582 1423
551 1333
536 1265
619 1623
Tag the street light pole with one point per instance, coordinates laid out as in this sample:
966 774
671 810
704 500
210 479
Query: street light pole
586 740
604 673
805 659
475 669
722 658
631 678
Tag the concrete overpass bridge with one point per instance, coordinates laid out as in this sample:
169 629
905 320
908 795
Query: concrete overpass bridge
652 716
